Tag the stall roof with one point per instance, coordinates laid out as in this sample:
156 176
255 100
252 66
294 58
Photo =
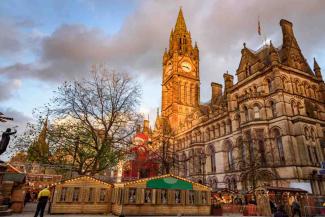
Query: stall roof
84 177
15 177
168 181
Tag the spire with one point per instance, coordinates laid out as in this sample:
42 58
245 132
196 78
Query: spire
180 23
42 144
317 70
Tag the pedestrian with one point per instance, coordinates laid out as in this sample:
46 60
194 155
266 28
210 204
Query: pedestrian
43 197
295 208
28 198
280 212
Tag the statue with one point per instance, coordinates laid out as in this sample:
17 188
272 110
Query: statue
5 140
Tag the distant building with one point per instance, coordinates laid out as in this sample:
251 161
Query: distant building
273 116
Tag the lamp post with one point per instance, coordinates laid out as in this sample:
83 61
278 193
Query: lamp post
203 162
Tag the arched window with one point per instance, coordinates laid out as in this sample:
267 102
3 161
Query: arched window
233 184
269 85
279 144
237 119
256 112
230 156
228 181
293 107
273 109
229 126
312 134
246 113
214 184
307 136
243 151
184 164
298 108
212 158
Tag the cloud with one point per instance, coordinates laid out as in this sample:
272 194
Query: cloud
10 41
7 88
220 27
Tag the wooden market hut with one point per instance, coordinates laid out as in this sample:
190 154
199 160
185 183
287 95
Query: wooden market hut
83 194
161 195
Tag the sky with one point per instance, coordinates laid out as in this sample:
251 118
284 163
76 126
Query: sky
44 42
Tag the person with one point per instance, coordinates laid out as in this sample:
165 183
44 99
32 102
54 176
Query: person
28 198
273 206
280 212
5 138
295 208
43 197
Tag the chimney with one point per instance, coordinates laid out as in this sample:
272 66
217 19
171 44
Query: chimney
216 90
229 81
289 39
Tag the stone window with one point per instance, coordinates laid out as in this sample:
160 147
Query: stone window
212 158
257 112
246 113
273 109
269 85
279 144
230 156
307 136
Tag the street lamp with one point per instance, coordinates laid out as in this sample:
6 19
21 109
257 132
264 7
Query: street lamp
203 162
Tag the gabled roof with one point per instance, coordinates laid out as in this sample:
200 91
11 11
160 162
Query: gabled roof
85 177
146 180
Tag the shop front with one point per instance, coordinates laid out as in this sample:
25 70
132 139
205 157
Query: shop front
84 194
161 195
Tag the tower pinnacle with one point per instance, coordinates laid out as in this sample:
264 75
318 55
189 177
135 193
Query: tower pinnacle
180 23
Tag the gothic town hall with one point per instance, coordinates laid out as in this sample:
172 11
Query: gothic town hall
268 128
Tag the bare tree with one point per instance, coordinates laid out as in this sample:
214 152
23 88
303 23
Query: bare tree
163 149
90 122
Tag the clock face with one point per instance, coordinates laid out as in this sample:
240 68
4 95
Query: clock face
186 66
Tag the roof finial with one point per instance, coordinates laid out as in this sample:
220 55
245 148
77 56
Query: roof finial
244 44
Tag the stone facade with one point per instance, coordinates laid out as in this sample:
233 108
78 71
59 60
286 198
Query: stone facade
272 119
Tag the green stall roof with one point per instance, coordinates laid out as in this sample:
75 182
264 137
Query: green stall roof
169 183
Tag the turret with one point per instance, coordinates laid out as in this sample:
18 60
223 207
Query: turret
317 70
196 51
274 56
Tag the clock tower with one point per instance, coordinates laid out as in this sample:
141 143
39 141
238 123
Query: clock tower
181 80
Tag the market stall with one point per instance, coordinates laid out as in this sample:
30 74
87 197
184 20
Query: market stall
161 195
81 195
